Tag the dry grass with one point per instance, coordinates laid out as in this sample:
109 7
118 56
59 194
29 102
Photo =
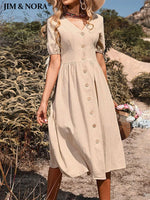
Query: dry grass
20 185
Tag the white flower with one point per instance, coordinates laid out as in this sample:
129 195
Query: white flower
130 108
132 103
120 107
139 119
130 119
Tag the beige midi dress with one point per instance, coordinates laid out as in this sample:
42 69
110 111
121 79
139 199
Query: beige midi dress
83 131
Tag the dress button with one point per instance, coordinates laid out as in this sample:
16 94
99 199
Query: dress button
82 46
84 70
91 112
94 125
82 33
89 98
86 85
97 141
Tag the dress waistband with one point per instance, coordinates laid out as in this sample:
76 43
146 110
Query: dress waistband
83 60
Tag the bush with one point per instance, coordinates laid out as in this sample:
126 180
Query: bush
16 32
141 86
118 82
21 85
130 34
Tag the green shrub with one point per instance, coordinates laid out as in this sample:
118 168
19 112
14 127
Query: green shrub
19 32
141 86
124 35
118 82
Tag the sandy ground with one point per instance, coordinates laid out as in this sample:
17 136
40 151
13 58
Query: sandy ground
146 39
132 67
131 183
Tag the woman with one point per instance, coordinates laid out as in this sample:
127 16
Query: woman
84 135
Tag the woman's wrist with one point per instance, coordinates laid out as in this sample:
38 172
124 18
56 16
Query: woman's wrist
44 102
115 103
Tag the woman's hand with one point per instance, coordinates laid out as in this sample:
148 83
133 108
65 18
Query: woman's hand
115 103
42 114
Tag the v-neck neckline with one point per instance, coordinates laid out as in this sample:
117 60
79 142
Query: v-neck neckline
75 25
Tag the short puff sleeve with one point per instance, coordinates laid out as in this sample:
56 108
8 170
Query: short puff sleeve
101 40
52 46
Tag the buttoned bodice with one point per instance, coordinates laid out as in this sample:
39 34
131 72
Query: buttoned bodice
77 44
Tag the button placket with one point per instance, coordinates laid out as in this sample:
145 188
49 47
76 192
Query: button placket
94 125
83 54
84 70
82 33
91 112
89 98
87 85
82 46
97 141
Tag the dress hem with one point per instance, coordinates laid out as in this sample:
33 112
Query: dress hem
87 171
113 169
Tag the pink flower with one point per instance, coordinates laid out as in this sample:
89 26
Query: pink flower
136 116
126 106
131 108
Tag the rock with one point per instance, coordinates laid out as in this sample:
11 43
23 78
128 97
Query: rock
142 17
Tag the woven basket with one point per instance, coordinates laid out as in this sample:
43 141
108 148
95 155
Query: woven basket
124 126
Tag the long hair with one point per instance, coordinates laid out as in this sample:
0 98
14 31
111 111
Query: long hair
58 10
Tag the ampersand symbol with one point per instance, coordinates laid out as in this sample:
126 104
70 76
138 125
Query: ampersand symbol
20 6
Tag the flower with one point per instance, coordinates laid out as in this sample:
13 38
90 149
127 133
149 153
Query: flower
130 119
139 119
136 116
120 107
132 103
132 109
137 110
126 106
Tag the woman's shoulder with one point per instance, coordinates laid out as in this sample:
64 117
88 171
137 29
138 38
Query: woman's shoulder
99 17
50 21
49 18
